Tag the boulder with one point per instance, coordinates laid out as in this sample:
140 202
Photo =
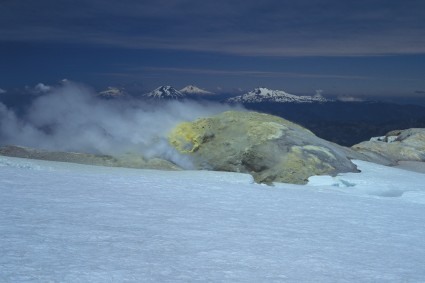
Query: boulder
270 148
395 146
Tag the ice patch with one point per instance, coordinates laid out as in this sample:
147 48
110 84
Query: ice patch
414 196
21 163
329 181
376 180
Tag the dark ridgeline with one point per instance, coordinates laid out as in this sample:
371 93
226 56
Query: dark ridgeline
347 123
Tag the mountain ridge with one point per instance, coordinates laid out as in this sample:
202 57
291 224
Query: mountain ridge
262 94
164 92
194 90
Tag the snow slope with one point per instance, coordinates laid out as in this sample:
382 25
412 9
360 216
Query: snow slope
73 223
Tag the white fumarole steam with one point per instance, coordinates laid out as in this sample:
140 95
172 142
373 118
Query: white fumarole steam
72 118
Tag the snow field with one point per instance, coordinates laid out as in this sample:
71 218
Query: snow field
74 223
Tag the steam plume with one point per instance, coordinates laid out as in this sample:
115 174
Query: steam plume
72 118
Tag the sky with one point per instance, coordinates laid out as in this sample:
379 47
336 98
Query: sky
352 48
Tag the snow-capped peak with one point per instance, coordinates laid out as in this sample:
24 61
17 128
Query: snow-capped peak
262 94
112 92
165 92
191 89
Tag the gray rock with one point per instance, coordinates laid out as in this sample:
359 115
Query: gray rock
399 145
270 148
130 160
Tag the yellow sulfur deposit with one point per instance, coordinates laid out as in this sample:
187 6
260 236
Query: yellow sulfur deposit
269 148
187 137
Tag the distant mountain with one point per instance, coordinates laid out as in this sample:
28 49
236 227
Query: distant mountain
262 94
194 90
113 92
165 92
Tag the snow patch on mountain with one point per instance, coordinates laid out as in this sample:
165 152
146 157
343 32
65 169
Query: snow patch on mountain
191 89
262 94
113 92
165 92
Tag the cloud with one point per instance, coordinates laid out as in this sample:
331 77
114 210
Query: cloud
38 89
349 98
73 118
42 88
318 93
2 91
251 73
253 28
420 91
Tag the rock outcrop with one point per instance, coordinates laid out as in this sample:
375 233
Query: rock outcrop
270 148
128 161
395 146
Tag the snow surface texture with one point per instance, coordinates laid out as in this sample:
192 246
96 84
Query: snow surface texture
64 222
262 94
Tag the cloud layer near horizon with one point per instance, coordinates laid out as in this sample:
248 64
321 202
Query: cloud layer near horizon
72 118
265 28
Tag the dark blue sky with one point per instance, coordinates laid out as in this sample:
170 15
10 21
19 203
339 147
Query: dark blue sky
355 48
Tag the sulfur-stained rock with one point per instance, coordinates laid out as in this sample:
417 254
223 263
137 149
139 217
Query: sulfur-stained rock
270 148
399 145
